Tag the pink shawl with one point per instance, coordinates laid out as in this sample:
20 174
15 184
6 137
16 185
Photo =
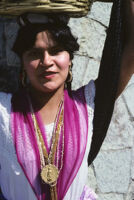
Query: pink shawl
75 140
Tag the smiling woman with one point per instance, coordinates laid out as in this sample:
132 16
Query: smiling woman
46 129
46 65
56 42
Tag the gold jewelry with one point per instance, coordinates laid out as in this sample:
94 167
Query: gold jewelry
50 172
70 75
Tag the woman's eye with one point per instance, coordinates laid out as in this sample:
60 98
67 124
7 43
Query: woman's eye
34 54
55 51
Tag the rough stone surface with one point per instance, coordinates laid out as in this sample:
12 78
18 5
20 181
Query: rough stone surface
86 29
79 67
91 178
112 171
129 103
132 165
100 12
120 134
91 71
130 194
128 99
86 69
111 196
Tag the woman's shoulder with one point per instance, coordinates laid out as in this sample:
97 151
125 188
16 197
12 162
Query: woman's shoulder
86 94
5 111
5 103
89 91
5 97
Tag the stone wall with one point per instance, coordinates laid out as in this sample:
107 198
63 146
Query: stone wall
112 173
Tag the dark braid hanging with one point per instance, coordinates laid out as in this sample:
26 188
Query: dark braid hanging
107 82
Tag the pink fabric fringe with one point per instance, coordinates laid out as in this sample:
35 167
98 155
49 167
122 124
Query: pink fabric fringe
75 140
88 194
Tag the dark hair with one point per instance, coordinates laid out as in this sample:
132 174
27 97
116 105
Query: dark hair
56 25
107 82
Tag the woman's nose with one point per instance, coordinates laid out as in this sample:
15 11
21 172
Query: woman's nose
47 59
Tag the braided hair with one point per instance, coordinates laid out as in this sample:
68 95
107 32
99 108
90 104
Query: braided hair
107 82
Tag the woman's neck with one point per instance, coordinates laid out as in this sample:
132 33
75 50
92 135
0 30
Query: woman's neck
46 103
41 99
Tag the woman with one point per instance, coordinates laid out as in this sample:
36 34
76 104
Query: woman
46 58
46 128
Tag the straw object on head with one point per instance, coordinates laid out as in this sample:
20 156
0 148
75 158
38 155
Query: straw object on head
71 7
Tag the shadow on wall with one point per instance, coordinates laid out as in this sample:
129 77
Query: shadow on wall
9 64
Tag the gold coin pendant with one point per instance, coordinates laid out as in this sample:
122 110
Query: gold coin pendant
49 174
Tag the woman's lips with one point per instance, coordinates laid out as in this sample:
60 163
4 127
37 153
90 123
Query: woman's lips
48 75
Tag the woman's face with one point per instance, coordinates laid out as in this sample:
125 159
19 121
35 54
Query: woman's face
46 64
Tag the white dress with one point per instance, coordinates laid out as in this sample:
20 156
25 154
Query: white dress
13 182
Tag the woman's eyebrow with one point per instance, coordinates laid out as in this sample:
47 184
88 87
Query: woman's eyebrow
54 47
37 48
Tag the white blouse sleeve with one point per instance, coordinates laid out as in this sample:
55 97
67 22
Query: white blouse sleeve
90 94
5 110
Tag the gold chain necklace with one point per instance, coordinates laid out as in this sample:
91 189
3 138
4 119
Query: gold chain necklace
49 171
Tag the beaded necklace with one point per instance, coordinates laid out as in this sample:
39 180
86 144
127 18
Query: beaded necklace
50 171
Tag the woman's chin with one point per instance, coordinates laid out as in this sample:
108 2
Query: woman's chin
49 88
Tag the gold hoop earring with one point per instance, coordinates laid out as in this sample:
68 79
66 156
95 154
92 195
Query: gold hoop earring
70 75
